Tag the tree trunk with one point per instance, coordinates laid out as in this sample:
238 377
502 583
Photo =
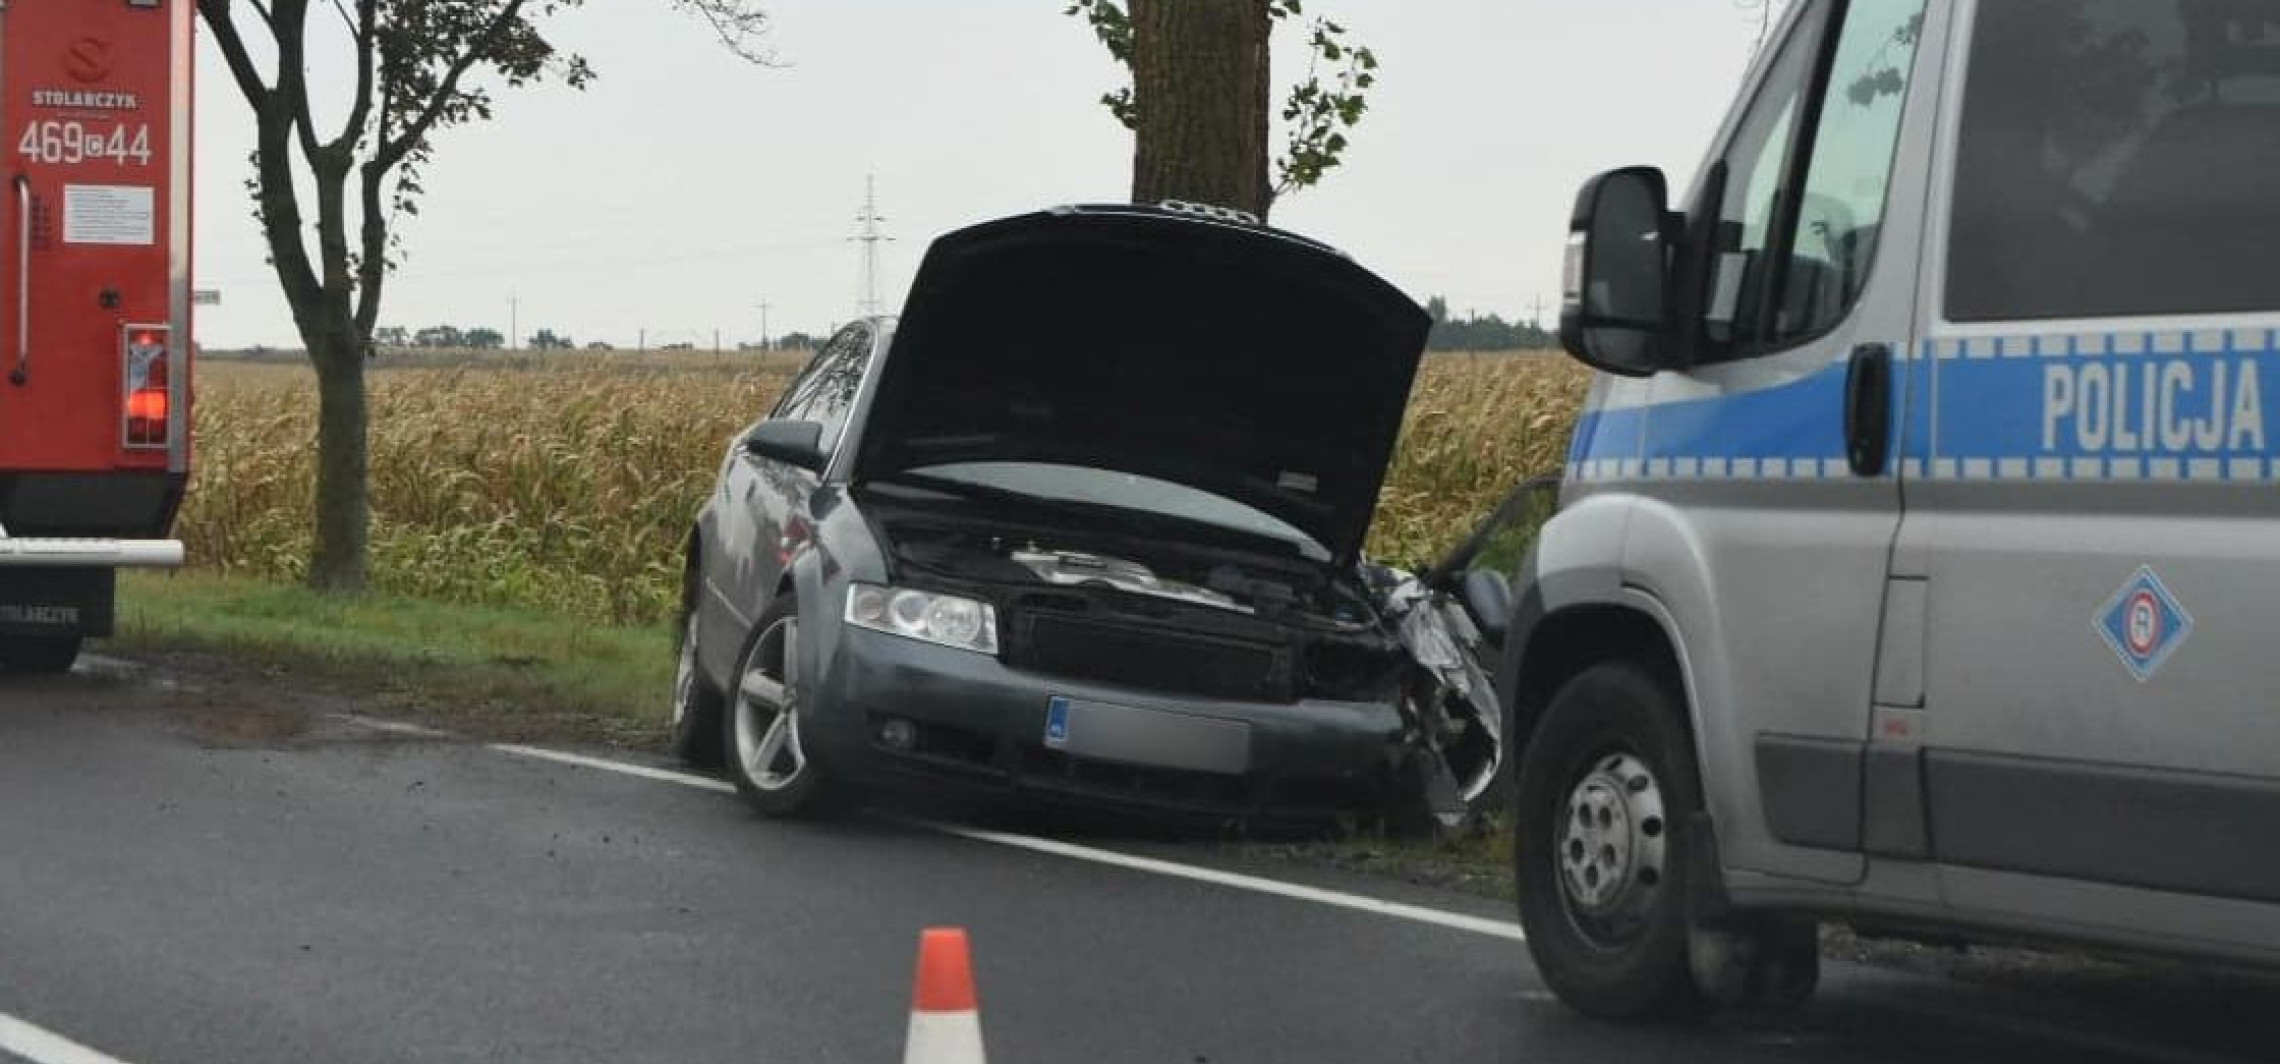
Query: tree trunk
1199 92
343 495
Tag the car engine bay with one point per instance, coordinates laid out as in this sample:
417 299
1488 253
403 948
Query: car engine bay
1208 620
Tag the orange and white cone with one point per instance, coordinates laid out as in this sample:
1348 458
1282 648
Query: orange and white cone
945 1020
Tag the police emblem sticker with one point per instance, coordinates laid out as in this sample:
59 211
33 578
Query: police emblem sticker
2144 623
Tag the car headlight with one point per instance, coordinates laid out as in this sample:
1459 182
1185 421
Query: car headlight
945 620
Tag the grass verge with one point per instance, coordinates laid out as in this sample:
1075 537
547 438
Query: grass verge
1479 862
498 673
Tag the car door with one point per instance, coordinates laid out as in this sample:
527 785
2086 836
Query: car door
2099 510
762 500
1770 448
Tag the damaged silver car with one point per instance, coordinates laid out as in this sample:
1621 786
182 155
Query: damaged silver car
1085 524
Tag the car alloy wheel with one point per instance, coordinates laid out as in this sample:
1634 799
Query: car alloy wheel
768 753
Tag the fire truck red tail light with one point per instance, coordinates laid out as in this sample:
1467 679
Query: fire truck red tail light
147 399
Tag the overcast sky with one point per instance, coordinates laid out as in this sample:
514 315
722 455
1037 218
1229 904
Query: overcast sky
686 187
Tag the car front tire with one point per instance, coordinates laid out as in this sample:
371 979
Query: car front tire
1605 790
697 704
774 771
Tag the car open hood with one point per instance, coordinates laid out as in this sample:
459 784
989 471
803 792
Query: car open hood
1232 358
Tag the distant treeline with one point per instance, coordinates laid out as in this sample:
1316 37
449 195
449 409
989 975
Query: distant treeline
1476 332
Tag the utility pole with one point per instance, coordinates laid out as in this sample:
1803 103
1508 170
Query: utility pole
514 322
1536 313
642 345
868 234
764 344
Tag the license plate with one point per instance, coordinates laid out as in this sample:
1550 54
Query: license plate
56 601
1154 738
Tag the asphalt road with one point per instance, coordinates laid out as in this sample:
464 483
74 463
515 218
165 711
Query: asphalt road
202 876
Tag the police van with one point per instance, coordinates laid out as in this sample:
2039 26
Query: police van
1918 558
95 97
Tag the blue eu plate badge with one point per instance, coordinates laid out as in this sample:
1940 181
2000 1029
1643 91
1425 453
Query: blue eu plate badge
2144 623
1057 722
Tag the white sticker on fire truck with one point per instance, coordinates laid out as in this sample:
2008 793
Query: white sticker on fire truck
109 214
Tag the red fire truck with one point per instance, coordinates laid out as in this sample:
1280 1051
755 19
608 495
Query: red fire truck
94 310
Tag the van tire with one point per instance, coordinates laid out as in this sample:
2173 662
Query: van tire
38 655
1608 783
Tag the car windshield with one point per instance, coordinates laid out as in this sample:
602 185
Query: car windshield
1127 491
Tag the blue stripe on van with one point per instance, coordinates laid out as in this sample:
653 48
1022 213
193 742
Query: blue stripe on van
1802 419
2107 406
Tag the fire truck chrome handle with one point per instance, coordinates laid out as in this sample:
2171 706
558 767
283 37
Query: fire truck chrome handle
23 371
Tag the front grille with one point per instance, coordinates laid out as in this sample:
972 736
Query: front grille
1051 769
1152 659
1257 797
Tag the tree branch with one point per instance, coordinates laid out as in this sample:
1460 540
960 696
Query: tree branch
291 29
372 263
738 27
360 112
234 54
392 151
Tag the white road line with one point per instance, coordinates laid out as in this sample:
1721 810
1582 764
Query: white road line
42 1046
1256 884
622 768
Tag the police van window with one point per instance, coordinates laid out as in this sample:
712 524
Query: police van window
1810 230
2116 158
1842 208
1754 163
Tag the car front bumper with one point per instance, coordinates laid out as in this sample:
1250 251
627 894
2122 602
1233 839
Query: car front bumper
977 723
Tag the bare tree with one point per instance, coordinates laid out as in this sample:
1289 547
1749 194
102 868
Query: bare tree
417 67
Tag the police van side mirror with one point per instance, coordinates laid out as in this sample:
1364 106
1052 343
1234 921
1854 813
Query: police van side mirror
1614 310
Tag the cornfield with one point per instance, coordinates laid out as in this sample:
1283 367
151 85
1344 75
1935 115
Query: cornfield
568 486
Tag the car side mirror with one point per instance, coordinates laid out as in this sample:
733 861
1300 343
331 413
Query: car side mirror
1614 307
1488 598
794 443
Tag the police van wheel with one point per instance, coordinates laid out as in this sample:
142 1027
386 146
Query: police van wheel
1608 781
38 654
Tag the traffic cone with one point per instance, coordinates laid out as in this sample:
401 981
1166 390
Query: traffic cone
945 1021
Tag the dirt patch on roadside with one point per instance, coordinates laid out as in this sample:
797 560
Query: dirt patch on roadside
221 704
262 727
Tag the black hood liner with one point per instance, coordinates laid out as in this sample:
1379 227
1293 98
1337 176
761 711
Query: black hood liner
1235 359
